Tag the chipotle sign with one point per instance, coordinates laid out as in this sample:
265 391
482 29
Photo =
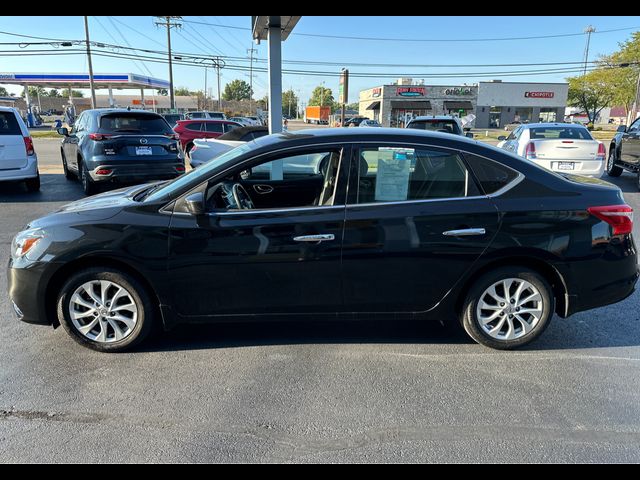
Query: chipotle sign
538 94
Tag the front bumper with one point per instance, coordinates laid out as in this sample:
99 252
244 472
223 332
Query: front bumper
27 291
17 174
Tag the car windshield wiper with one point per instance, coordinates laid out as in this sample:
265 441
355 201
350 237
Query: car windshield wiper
148 191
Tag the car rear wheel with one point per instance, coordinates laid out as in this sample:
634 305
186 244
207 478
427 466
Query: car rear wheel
33 184
105 309
508 308
612 169
65 168
88 185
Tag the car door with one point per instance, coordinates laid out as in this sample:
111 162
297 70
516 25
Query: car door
630 144
264 260
414 225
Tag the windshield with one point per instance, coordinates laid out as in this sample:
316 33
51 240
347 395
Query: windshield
199 173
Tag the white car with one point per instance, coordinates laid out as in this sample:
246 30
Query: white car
244 121
213 115
18 159
369 123
204 149
560 147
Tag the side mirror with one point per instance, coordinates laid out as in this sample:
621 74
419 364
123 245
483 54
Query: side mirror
63 131
502 137
468 135
621 128
195 203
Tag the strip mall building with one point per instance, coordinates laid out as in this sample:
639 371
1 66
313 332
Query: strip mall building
495 103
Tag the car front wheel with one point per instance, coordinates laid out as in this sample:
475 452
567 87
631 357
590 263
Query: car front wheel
105 309
508 308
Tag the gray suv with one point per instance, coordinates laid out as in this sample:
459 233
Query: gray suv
116 146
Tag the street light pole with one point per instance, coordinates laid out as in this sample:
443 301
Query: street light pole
91 86
170 22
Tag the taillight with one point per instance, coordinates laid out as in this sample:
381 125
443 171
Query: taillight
99 136
180 168
103 171
602 152
620 217
530 151
28 145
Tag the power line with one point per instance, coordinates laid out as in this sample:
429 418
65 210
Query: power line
389 39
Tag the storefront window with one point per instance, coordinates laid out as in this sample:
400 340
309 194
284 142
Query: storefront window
400 117
523 115
494 117
548 115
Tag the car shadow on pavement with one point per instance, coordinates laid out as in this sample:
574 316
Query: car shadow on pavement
627 182
54 187
228 335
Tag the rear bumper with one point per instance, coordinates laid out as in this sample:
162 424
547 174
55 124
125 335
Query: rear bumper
137 172
589 168
24 173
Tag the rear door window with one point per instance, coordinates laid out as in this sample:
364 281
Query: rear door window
491 175
133 123
9 124
214 127
195 126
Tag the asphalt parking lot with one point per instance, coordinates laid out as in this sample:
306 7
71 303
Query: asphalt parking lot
320 392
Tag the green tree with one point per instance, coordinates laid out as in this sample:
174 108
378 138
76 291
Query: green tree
183 91
34 91
352 106
237 90
289 103
53 93
162 91
591 92
77 93
624 71
322 96
3 92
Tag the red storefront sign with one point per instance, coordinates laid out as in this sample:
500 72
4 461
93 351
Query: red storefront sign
135 101
411 91
538 94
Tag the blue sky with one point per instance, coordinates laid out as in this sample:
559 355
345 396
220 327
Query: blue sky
197 38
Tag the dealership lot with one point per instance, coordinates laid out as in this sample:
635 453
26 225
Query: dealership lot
384 391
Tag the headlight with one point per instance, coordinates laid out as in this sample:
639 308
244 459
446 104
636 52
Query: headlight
24 242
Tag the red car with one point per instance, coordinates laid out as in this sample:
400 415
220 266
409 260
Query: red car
189 130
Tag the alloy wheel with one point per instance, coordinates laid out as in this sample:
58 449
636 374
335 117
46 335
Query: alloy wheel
103 311
510 309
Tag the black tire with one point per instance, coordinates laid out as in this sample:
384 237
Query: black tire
469 317
88 185
139 294
33 184
67 173
612 169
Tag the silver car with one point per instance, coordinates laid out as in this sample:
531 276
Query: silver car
204 149
18 159
560 147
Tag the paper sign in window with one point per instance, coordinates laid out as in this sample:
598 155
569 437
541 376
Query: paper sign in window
392 179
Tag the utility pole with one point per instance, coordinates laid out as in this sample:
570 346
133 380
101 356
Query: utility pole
170 22
219 98
93 90
290 95
205 89
322 94
251 50
589 30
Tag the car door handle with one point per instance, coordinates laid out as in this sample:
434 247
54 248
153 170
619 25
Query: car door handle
262 189
323 237
464 232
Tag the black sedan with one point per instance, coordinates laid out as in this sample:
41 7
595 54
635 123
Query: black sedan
338 223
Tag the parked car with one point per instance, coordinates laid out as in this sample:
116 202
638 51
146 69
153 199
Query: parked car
338 223
439 123
369 123
18 159
173 118
560 147
206 149
115 146
624 151
210 115
256 121
189 130
353 121
244 121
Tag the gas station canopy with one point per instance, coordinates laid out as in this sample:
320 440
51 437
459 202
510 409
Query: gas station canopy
81 80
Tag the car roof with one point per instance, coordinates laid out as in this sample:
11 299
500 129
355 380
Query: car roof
435 117
8 109
105 111
553 124
207 120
